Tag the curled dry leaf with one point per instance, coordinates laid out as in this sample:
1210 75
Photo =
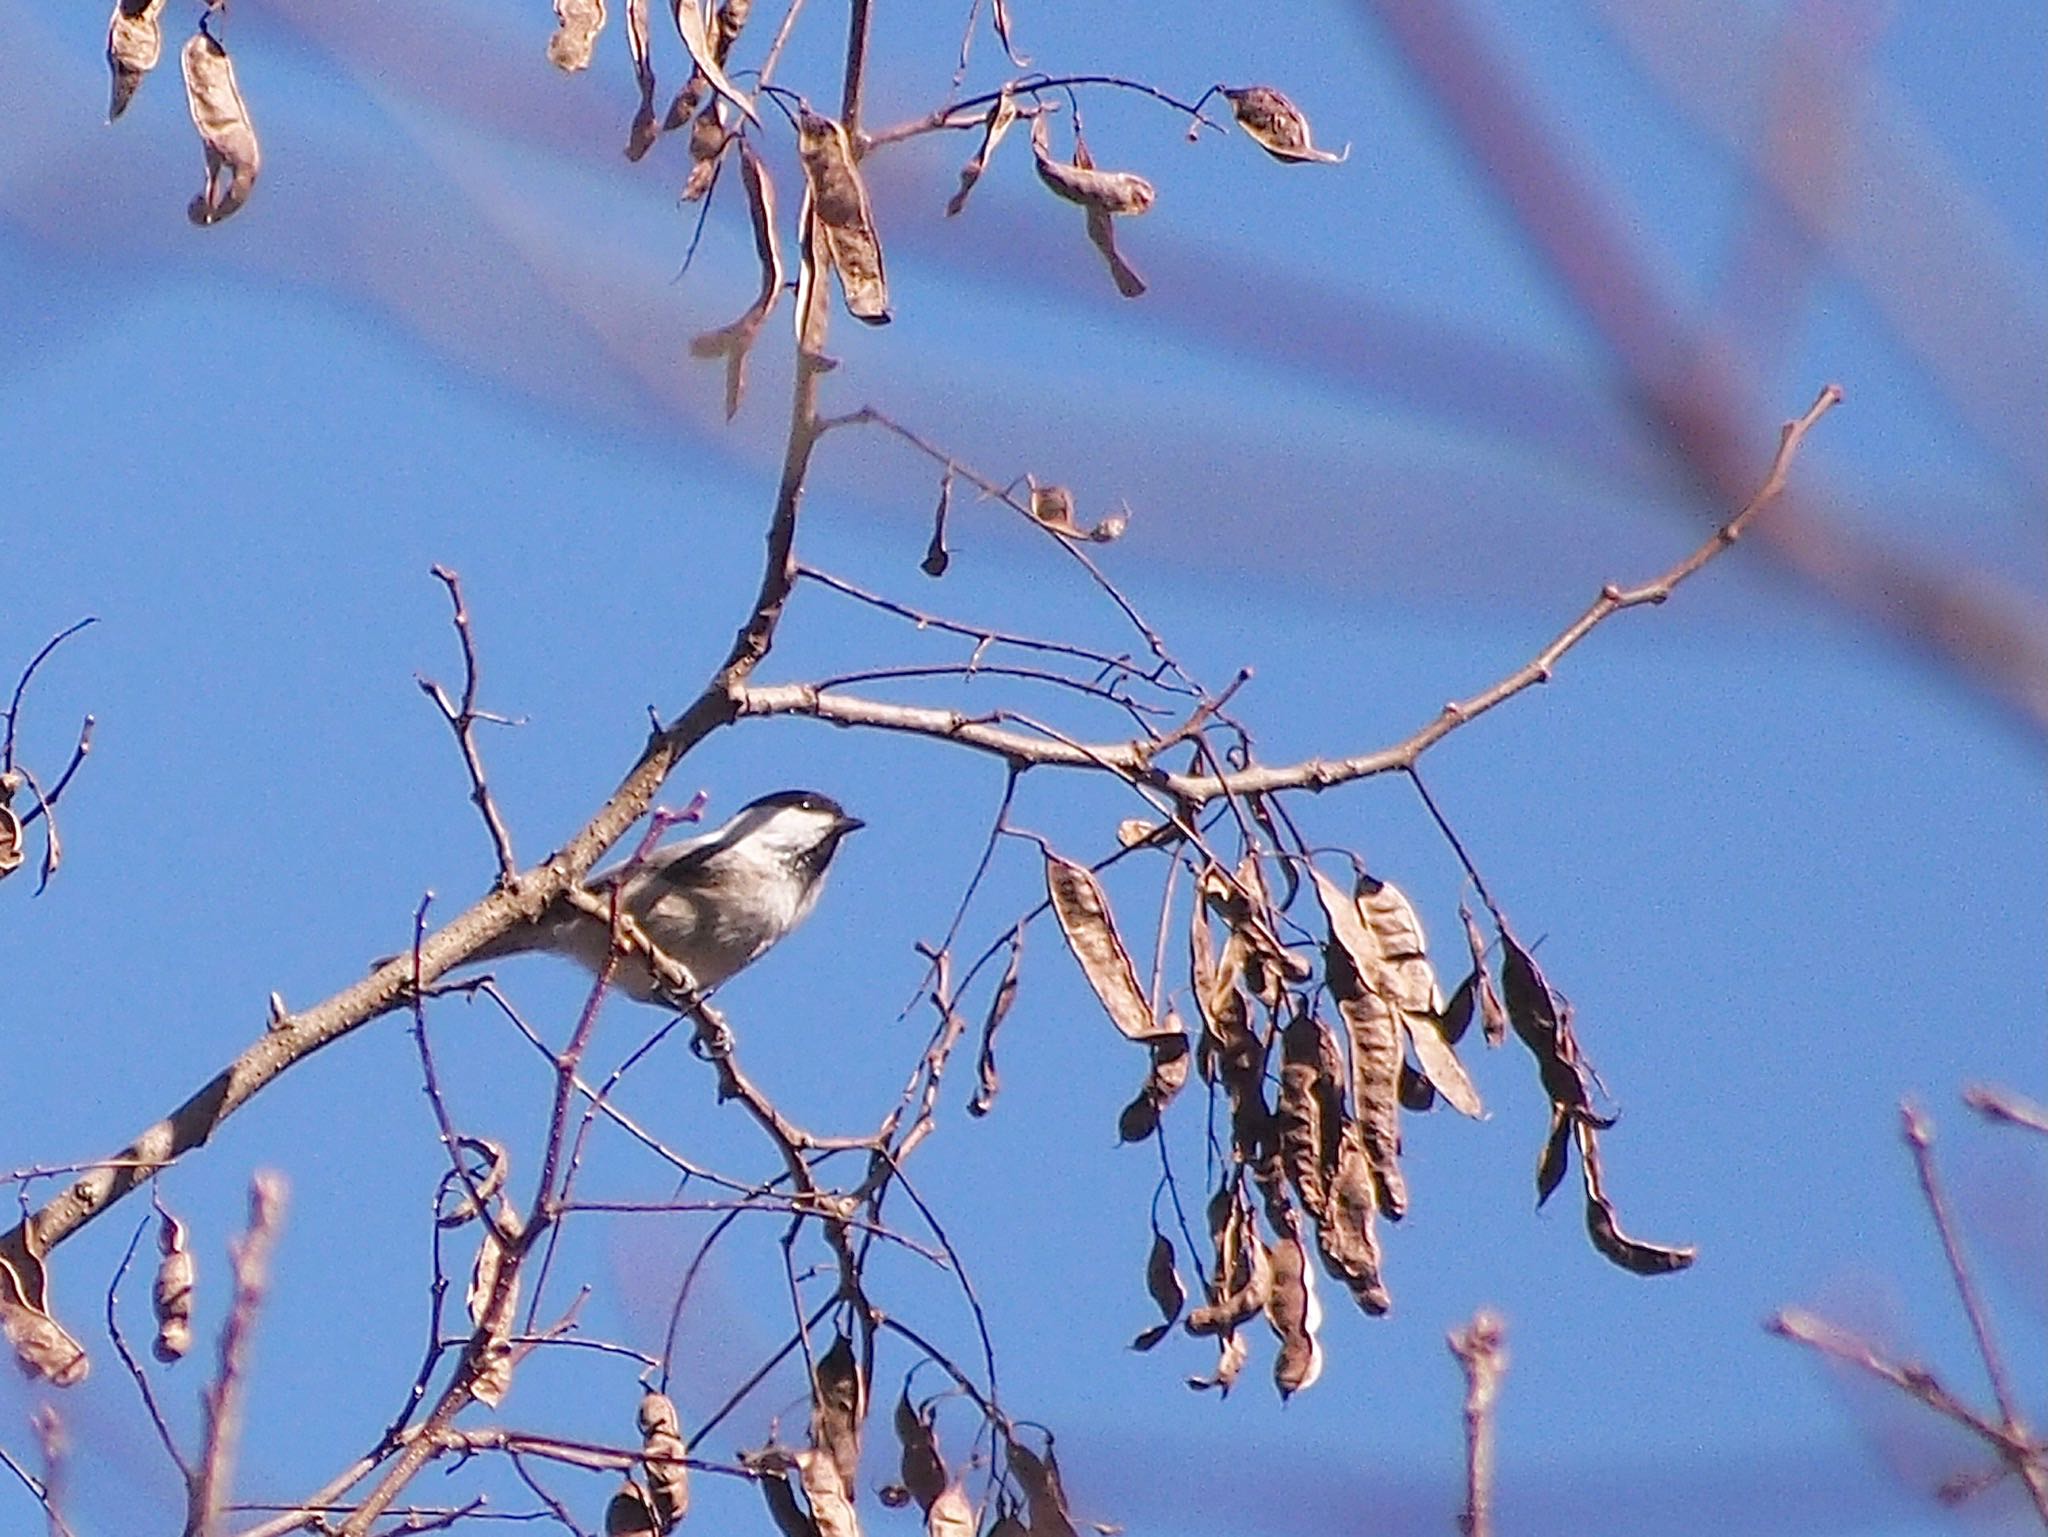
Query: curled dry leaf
1053 507
1111 192
1162 1280
631 1514
1244 1273
1169 1075
646 126
998 1010
950 1515
1102 193
43 1348
233 157
709 137
492 1307
171 1295
923 1470
1295 1313
1493 1014
1233 1351
936 557
1277 125
1082 909
734 342
709 42
663 1449
993 131
1631 1254
846 223
839 1406
1044 1494
577 23
135 43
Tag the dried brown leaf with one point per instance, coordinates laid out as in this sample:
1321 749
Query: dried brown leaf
1277 125
631 1514
577 23
1046 1497
1295 1313
227 137
998 1010
710 136
936 558
135 44
1162 1280
1631 1254
171 1295
1233 1351
707 51
1083 912
1000 117
846 222
1000 11
923 1470
733 342
1493 1013
43 1348
1168 1076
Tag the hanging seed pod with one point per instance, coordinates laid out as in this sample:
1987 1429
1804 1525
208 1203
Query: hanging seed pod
829 1495
1233 1351
631 1514
646 126
492 1309
1168 1076
847 224
1162 1281
233 157
951 1514
176 1274
662 1447
43 1348
998 1010
577 23
839 1406
1084 918
1295 1313
10 841
734 342
1046 1497
923 1470
135 44
709 43
1000 117
1103 193
1493 1014
1277 125
709 137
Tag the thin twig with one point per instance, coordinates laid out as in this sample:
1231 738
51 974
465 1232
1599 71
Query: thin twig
1481 1349
250 1256
462 720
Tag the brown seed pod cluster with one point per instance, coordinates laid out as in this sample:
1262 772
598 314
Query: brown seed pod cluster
1312 1155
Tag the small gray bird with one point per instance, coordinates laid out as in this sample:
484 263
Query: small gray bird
715 903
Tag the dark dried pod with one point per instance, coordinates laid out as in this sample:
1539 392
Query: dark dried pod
1276 124
171 1296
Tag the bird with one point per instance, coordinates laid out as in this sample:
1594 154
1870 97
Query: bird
714 903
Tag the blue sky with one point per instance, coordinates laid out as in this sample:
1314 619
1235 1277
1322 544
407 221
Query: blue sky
1788 866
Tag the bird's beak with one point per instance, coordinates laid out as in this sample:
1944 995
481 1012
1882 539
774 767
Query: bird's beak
850 824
